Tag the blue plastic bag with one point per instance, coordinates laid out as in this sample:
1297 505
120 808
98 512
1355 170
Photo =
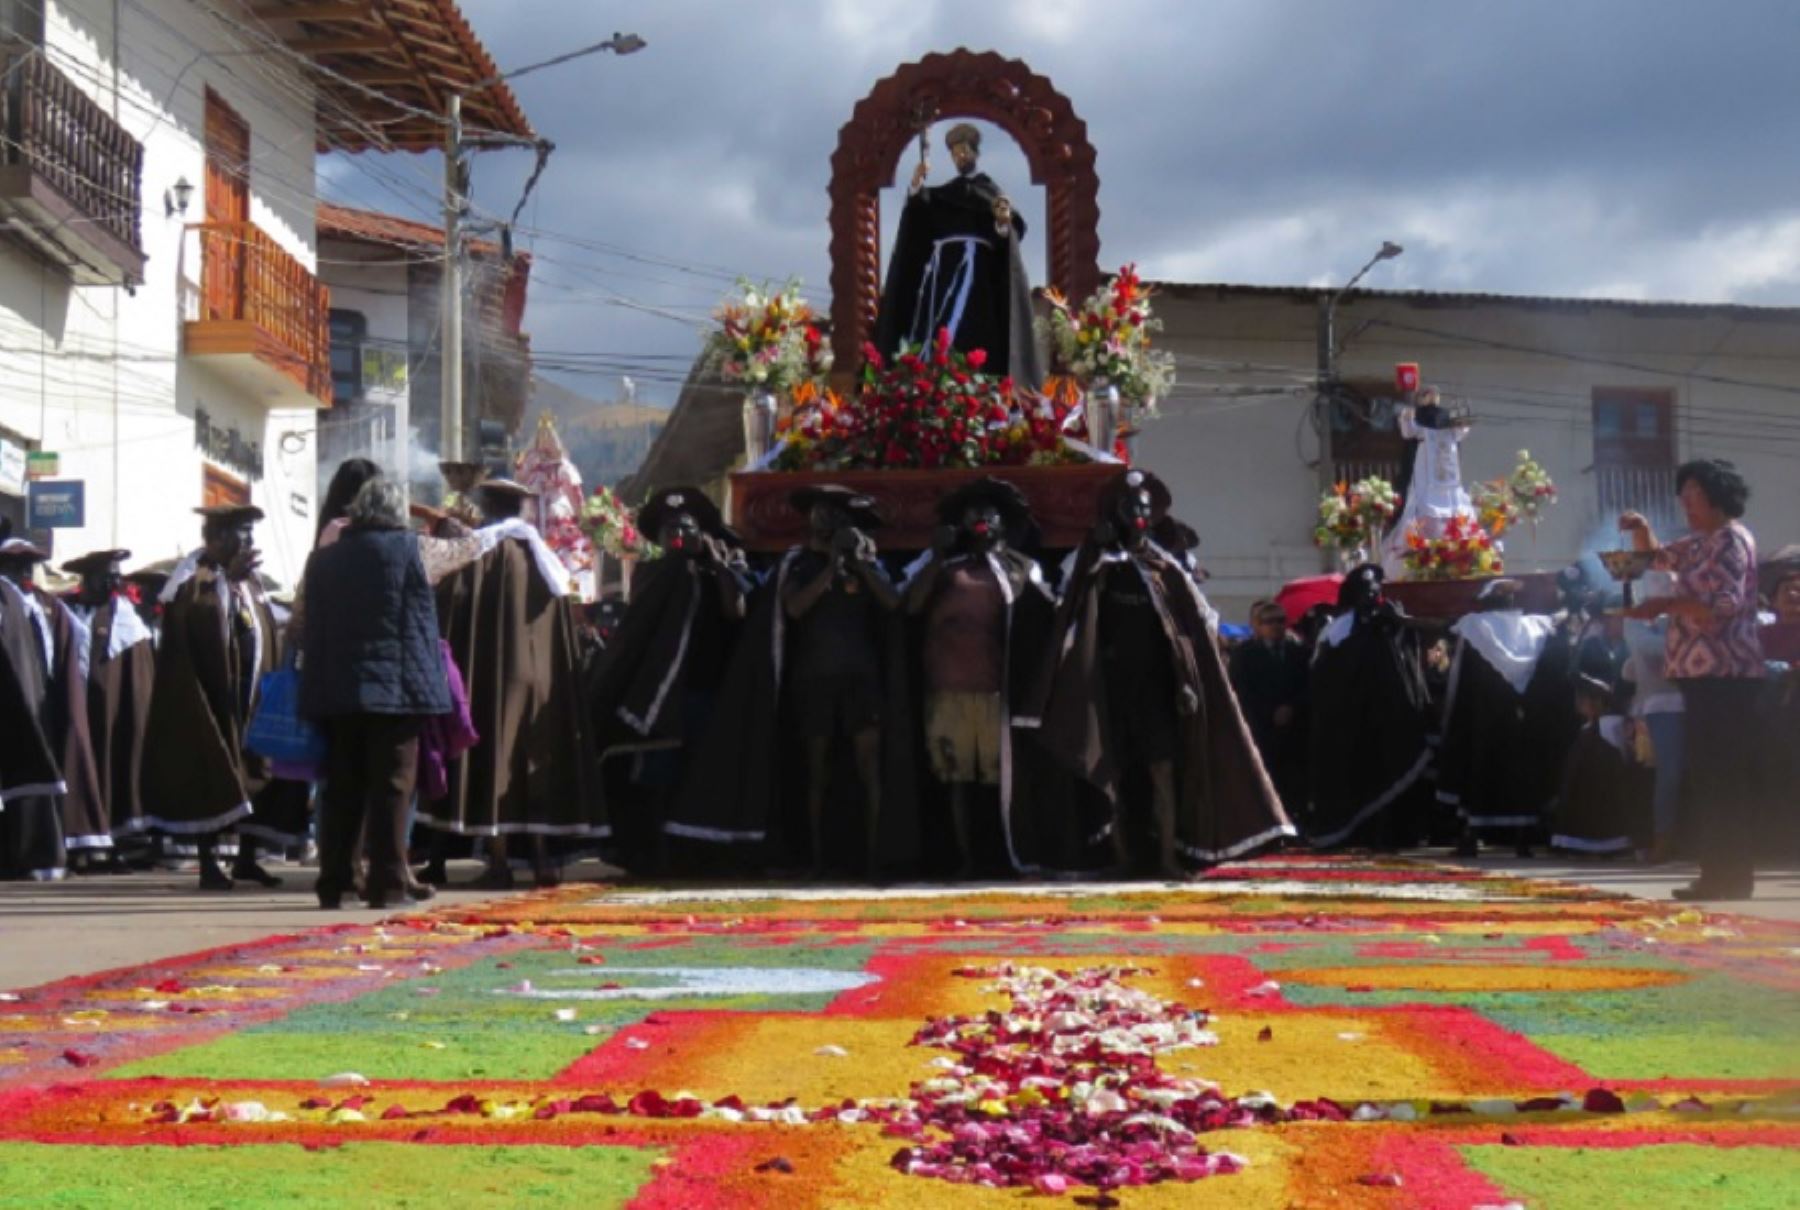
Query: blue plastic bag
276 729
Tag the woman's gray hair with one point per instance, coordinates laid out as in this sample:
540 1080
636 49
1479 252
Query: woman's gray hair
379 504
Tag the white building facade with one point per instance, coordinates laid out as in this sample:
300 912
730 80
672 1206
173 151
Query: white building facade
1609 396
164 332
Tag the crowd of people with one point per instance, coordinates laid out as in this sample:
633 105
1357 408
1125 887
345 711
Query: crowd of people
1660 729
433 688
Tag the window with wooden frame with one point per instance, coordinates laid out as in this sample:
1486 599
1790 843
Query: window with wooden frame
1365 429
1634 427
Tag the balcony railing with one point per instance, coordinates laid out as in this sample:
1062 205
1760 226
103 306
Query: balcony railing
75 171
249 280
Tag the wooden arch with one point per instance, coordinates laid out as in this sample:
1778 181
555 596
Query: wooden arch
961 84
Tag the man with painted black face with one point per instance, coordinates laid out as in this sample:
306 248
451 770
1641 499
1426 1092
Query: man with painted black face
219 638
121 671
1135 683
956 267
834 595
660 684
43 834
818 674
984 607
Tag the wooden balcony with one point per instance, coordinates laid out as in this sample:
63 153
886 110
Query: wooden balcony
260 317
70 176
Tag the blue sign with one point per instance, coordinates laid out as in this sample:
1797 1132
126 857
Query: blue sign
56 504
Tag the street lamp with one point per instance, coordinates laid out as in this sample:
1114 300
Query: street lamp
1328 359
450 408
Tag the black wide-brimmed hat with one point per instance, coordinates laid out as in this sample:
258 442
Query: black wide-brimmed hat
95 560
859 506
22 548
671 501
1007 499
1131 481
235 513
506 487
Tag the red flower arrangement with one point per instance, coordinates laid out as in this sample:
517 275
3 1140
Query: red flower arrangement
1463 551
930 408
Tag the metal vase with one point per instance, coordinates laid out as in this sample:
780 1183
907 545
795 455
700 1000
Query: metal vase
760 408
1103 407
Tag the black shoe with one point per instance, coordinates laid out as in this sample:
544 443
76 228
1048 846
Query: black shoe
494 878
1468 846
1700 890
212 878
251 872
434 874
331 900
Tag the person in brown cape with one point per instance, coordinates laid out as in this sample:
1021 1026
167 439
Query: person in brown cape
1134 681
121 669
655 697
984 611
511 626
219 638
47 834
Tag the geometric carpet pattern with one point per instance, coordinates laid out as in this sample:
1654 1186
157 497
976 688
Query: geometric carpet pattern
1287 1032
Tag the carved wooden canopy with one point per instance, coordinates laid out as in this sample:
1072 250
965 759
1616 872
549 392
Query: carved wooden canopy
961 84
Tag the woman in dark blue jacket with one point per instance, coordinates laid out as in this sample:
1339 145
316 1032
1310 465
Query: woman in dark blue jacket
372 671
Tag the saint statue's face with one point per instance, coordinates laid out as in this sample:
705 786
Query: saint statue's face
965 157
1364 589
1135 514
983 524
681 534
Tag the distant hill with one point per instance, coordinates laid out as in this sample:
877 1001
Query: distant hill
605 440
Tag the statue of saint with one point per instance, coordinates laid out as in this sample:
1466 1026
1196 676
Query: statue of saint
956 266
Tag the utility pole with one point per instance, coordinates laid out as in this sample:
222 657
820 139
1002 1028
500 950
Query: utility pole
456 203
1327 362
450 417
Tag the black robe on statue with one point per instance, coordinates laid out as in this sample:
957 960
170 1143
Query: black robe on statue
932 284
1370 720
745 786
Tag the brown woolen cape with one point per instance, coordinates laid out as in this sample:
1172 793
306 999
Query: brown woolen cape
1226 805
118 716
197 777
514 639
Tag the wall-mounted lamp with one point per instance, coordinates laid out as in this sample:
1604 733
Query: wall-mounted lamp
176 199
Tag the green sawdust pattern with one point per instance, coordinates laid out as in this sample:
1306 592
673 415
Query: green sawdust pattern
281 1175
1666 1174
467 1031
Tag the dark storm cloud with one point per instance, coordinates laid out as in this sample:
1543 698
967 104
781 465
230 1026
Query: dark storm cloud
1638 147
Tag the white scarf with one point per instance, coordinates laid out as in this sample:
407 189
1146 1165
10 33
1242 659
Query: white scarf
555 574
1509 639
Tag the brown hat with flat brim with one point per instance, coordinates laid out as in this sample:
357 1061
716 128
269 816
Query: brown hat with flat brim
672 502
506 487
96 560
231 512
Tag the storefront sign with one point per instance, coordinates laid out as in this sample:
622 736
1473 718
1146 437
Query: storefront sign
12 467
42 464
227 446
56 504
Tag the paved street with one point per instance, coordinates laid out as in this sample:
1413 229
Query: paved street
50 932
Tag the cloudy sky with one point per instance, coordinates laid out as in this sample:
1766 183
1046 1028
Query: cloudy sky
1620 148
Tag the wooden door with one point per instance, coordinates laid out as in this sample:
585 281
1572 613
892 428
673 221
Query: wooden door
227 209
218 487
